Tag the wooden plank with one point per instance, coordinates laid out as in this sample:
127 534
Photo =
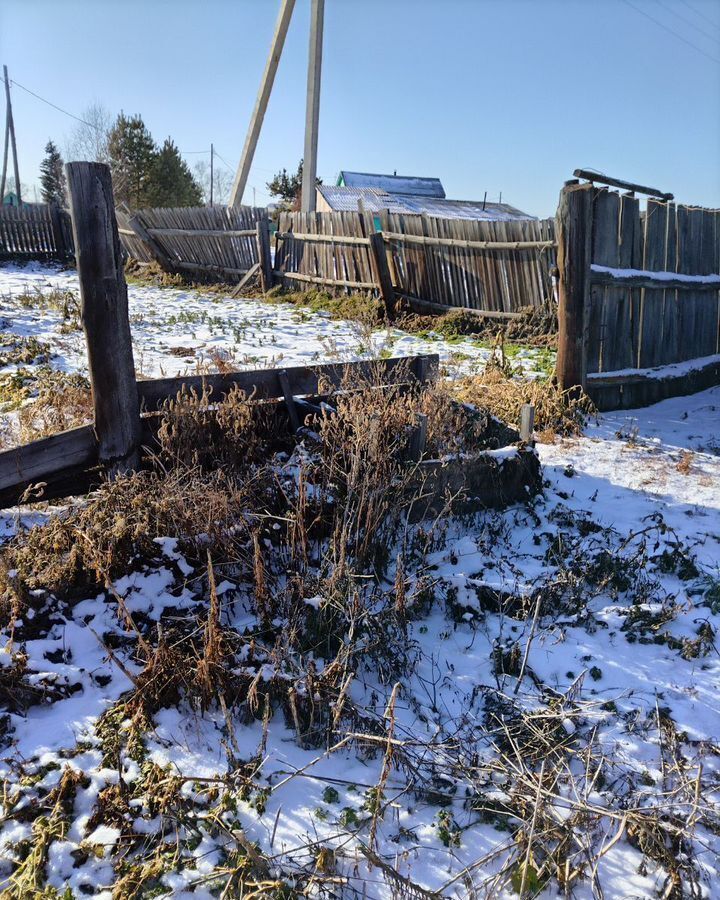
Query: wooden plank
263 253
599 178
574 236
201 232
319 279
469 245
39 460
322 238
103 294
382 273
421 305
652 281
264 384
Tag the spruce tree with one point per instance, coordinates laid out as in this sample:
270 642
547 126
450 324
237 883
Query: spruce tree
52 176
289 187
132 154
171 182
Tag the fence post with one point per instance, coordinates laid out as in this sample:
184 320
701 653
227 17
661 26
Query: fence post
263 247
162 259
103 293
61 249
574 256
381 272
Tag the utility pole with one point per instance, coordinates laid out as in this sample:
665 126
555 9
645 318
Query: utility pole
212 154
256 120
10 131
312 112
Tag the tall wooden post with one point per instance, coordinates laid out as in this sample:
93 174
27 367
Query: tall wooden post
312 112
264 256
11 131
103 294
256 120
381 272
574 257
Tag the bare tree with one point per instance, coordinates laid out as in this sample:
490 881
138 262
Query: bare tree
89 139
222 178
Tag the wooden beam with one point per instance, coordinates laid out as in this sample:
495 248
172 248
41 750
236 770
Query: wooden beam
264 384
318 279
657 284
312 112
574 236
197 232
468 245
103 294
289 399
322 238
141 232
258 114
39 460
264 255
430 306
251 272
381 273
598 178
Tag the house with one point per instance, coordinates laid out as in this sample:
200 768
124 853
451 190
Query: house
407 194
11 199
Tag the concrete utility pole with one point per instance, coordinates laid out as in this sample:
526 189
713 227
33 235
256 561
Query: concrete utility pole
312 113
278 41
10 130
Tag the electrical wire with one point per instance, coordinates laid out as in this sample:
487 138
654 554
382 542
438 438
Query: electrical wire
672 31
54 105
701 14
689 22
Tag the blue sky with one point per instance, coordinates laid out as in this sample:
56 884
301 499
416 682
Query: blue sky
488 95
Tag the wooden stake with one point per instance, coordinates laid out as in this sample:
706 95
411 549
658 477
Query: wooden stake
527 422
256 120
103 294
312 112
574 237
381 272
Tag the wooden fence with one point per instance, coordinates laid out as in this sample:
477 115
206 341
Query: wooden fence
36 231
639 292
492 268
215 240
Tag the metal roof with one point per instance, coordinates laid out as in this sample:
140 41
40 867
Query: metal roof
393 184
373 200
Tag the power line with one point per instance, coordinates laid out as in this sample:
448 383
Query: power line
701 14
689 22
54 105
672 31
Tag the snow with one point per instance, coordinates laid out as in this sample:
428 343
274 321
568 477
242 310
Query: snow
637 484
656 276
671 370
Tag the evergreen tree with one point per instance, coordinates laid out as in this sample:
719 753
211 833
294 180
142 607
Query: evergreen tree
170 181
132 154
289 187
52 176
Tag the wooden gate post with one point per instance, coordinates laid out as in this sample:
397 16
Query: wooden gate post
381 272
103 294
263 247
54 211
574 256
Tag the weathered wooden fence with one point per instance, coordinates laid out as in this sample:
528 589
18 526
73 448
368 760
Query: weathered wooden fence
492 268
36 231
215 240
639 296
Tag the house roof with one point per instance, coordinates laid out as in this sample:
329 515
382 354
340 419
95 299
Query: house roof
345 199
393 184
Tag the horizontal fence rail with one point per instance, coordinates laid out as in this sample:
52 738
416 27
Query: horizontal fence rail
59 459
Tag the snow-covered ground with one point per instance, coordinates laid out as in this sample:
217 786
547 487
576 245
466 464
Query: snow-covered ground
175 331
607 585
